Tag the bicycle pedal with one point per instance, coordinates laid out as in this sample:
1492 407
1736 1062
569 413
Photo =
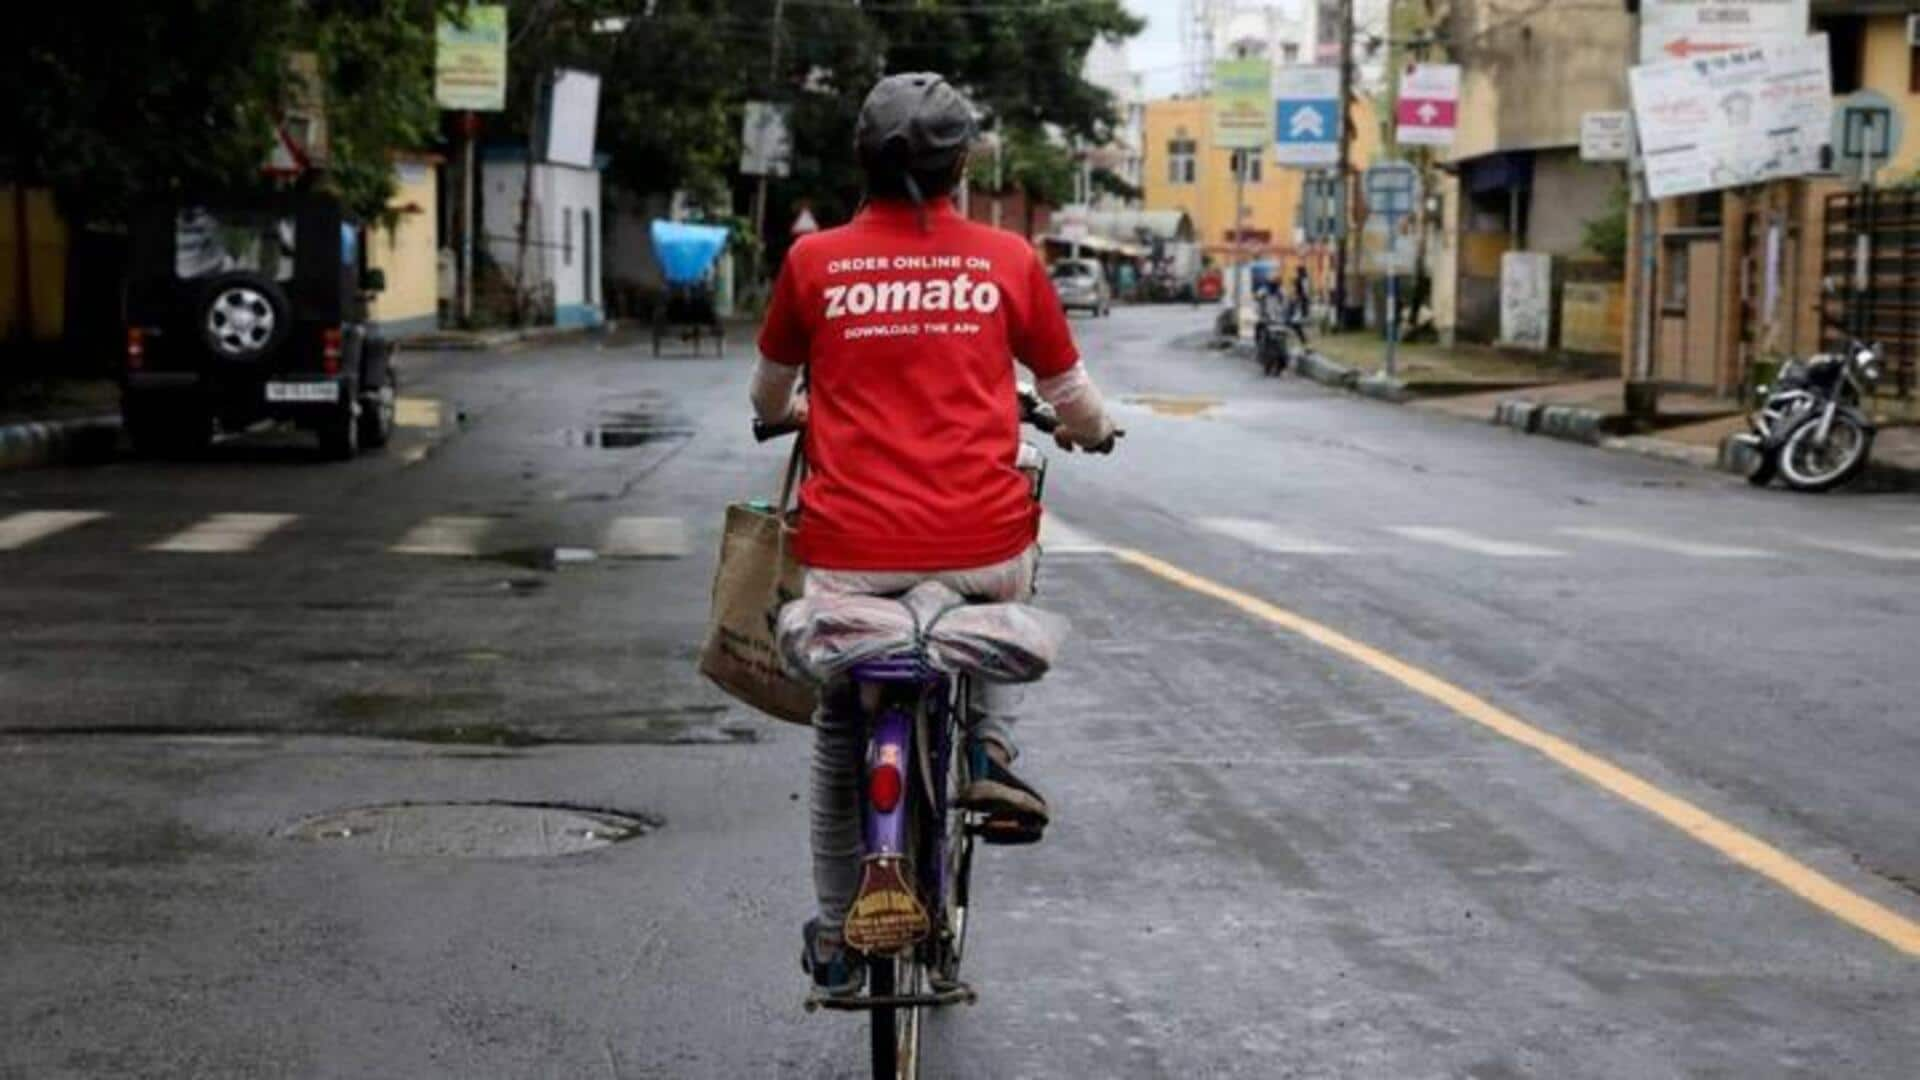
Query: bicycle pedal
886 916
1007 833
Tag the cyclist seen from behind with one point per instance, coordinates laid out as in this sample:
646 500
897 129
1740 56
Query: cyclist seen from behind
906 322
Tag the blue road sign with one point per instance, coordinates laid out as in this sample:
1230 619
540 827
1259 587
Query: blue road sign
1306 117
1392 187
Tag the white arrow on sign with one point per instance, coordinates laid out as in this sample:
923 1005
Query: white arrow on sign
1427 112
1307 123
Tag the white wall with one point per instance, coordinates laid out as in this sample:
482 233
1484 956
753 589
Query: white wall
555 263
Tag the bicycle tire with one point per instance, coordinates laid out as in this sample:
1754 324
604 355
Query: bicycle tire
884 1032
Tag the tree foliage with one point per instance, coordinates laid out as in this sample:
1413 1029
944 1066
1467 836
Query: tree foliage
150 99
180 95
1606 235
674 82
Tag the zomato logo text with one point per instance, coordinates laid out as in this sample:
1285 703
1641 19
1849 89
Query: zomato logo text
960 293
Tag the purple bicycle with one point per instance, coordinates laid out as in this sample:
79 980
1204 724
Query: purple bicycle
909 918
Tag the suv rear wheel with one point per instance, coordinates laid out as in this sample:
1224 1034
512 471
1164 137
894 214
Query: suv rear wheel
376 415
340 431
379 401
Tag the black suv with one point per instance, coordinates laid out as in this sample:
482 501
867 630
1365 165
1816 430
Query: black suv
242 310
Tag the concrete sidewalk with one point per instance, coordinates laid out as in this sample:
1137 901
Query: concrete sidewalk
49 421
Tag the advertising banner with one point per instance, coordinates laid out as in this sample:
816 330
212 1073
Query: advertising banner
470 61
766 142
1684 29
1742 117
1242 104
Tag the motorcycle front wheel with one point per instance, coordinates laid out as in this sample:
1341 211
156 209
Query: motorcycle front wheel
1807 464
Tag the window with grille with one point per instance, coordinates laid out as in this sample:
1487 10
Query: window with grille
1181 167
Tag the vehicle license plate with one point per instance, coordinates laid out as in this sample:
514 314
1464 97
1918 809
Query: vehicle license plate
303 391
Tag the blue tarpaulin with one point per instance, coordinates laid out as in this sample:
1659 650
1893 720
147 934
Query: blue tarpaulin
686 252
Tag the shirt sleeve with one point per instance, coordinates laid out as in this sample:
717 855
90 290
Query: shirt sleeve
784 337
1043 342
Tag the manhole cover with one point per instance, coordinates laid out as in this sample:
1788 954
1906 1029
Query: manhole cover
471 830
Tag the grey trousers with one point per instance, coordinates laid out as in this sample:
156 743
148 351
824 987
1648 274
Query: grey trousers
839 737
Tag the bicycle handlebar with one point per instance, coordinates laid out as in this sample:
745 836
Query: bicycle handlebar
1033 411
765 432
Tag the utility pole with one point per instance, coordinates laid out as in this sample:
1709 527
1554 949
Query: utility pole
760 192
1640 399
1239 160
1346 165
469 128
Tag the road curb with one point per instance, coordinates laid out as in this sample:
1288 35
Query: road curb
483 340
1519 414
37 443
1328 372
1573 423
1381 387
1700 457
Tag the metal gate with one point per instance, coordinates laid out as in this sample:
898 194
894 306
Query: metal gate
1877 286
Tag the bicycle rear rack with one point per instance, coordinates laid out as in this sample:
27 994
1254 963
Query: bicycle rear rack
958 994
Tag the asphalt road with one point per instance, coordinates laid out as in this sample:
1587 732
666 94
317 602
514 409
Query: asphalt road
1276 853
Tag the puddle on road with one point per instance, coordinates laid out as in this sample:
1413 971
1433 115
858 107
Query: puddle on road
621 436
540 558
1175 405
472 830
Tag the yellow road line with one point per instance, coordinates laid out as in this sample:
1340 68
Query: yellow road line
1735 843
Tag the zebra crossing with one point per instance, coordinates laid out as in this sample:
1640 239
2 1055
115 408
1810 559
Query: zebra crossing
1560 542
467 536
454 536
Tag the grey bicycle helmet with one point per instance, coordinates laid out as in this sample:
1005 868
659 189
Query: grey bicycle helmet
912 123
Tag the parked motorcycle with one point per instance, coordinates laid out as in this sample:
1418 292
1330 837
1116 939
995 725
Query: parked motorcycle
1811 430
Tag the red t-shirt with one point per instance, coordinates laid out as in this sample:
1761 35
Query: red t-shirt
909 336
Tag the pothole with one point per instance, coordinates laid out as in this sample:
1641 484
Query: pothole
471 830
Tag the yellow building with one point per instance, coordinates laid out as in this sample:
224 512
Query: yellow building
1184 170
409 251
33 267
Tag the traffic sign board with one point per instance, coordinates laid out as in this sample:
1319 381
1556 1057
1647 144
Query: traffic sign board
1429 105
1867 131
1393 188
1685 29
1323 206
1306 116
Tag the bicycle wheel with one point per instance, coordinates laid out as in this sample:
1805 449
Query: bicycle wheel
885 1032
895 1033
957 850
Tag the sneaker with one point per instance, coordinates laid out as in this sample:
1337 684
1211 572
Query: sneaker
837 970
1015 812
